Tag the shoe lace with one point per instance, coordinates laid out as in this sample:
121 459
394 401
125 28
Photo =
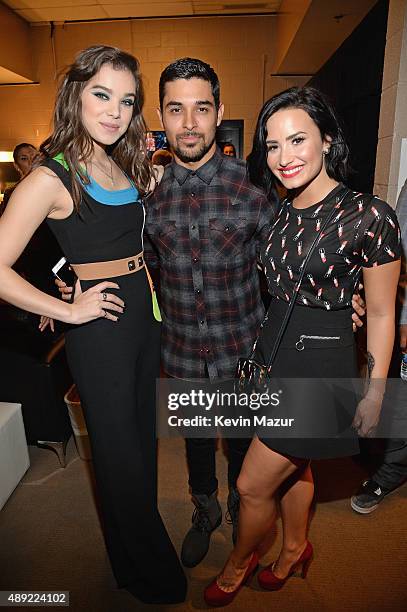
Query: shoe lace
232 511
200 520
370 487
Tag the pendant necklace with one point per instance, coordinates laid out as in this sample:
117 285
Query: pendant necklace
109 175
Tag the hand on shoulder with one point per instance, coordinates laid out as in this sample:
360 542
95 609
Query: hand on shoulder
158 172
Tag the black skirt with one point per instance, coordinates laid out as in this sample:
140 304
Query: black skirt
322 412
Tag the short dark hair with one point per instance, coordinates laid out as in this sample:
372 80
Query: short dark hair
20 146
322 112
189 68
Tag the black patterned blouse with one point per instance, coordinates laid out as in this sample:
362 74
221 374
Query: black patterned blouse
363 232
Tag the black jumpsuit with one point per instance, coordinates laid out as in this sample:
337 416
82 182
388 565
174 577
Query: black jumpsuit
114 366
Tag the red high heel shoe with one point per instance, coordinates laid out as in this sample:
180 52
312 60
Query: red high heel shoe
269 581
214 596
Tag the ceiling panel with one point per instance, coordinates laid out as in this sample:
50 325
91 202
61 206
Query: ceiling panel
41 4
75 13
76 10
148 9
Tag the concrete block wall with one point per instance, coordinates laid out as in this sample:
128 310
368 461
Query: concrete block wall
239 49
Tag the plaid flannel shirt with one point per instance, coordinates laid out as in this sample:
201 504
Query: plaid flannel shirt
205 228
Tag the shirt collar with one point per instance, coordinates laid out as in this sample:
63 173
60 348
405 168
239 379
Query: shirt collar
205 172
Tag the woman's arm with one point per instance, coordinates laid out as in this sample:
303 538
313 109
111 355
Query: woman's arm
39 195
380 284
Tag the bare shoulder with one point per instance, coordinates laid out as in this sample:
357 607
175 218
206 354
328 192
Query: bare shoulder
45 188
41 179
44 177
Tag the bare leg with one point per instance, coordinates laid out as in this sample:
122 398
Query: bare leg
295 501
262 473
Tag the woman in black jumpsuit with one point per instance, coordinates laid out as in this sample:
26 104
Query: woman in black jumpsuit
114 363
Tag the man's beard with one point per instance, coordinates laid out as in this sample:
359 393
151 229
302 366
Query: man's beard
194 153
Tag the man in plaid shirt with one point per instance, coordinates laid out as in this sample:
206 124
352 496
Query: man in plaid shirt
205 222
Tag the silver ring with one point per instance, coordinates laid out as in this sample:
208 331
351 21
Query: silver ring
104 296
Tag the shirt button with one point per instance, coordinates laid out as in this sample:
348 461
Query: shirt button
192 226
202 322
227 228
207 351
192 195
201 350
198 291
195 259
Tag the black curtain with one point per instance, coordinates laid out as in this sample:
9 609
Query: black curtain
352 78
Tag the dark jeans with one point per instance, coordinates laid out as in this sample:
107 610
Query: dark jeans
202 463
393 470
201 457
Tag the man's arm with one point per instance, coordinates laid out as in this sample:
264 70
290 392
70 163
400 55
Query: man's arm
150 253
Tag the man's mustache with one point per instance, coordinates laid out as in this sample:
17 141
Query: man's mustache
188 134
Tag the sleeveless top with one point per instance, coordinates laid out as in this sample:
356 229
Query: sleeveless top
97 232
101 231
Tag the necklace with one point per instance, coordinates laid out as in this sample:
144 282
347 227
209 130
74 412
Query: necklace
109 175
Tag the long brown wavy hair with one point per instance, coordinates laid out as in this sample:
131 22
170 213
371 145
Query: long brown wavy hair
71 138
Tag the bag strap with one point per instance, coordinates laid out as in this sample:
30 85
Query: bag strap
287 315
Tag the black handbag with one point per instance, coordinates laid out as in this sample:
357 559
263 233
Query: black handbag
256 376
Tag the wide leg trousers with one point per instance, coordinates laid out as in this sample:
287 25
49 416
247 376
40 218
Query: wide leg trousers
115 366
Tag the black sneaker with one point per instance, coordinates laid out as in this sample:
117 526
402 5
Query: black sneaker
368 497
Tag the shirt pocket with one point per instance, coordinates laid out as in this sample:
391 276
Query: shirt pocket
164 237
228 235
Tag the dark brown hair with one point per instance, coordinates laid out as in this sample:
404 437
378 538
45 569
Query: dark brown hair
20 146
322 112
69 135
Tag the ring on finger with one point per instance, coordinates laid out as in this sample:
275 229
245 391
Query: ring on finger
105 314
104 296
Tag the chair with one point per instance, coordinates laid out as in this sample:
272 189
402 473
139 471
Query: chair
34 373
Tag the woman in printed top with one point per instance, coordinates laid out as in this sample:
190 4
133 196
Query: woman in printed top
299 143
89 185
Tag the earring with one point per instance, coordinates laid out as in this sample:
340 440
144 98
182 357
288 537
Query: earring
325 152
